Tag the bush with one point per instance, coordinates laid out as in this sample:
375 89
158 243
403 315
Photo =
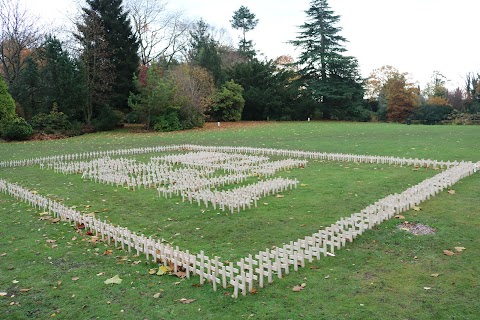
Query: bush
432 114
167 122
17 129
108 119
53 122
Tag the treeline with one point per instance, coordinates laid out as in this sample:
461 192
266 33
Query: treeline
134 61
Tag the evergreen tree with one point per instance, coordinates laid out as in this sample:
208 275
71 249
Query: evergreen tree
205 51
244 20
27 89
122 46
328 76
62 82
95 64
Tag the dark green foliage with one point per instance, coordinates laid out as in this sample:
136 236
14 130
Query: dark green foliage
205 51
228 102
62 82
108 119
269 92
168 122
155 95
122 46
95 64
53 122
432 114
27 89
17 129
244 20
328 76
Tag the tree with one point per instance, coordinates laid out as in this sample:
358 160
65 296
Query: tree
244 20
401 98
455 98
156 92
194 90
62 81
7 105
19 37
161 34
228 102
95 63
205 51
122 45
27 89
326 74
436 90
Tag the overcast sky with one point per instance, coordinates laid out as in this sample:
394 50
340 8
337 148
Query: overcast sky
414 36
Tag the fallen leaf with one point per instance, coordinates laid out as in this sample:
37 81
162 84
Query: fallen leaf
253 291
114 280
51 241
180 274
435 275
451 191
186 301
55 220
3 254
3 294
25 290
427 288
399 216
75 278
303 185
107 252
163 270
460 249
44 213
152 271
448 253
157 295
280 196
416 208
101 274
297 288
15 281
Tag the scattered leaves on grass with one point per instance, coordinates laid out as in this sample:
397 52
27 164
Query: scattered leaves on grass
435 275
299 288
254 291
107 252
3 294
451 191
114 280
186 301
416 208
55 220
280 196
25 289
75 278
448 253
157 295
459 249
399 216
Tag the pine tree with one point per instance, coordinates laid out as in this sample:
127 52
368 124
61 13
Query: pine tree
244 20
330 77
122 46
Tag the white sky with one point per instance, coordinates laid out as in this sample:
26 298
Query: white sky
414 36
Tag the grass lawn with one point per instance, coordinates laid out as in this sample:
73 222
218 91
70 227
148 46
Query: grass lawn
385 273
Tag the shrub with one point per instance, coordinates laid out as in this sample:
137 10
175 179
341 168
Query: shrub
108 119
432 114
17 129
167 122
53 122
228 102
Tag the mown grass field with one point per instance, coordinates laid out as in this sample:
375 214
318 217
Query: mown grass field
383 274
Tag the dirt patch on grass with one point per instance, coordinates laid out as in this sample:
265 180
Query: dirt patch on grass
417 229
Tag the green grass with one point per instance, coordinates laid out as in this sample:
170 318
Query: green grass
381 275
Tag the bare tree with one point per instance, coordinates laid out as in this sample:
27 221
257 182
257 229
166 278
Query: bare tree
20 35
162 34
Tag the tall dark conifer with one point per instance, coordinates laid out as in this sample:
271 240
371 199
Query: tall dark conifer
123 48
332 78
